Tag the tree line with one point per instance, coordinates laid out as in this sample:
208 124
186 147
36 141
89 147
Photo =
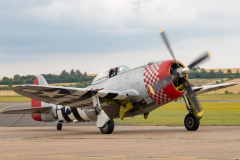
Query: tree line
82 80
63 77
198 72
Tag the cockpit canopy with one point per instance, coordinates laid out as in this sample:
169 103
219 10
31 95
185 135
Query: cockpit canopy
107 73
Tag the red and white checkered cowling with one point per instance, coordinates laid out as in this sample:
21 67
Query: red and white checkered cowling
155 73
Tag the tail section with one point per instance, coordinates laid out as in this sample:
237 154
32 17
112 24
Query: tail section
39 110
39 80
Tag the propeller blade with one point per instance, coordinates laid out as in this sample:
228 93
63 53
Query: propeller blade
203 57
191 94
161 33
164 82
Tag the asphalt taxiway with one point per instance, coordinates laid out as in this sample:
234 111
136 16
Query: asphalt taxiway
126 142
33 140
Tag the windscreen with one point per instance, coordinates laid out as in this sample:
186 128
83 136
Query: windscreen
102 75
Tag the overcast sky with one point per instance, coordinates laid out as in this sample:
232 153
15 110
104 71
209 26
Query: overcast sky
47 36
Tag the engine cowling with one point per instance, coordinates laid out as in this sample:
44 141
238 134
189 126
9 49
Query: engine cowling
155 73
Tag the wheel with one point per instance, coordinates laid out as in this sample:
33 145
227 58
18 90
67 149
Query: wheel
108 127
59 126
191 122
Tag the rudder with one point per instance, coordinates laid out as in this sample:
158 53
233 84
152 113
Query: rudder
39 80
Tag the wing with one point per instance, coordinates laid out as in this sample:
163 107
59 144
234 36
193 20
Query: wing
69 96
27 110
203 89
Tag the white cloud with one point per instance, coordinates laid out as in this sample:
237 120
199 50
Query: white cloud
51 35
138 13
224 52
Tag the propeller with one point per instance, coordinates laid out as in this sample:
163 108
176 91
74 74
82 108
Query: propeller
191 94
164 37
180 72
203 57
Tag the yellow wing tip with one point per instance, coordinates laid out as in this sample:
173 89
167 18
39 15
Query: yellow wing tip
209 54
151 89
161 30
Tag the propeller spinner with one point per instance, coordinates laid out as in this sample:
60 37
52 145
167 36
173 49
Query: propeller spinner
180 72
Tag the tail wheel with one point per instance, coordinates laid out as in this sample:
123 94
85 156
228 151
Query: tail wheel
108 127
191 122
59 126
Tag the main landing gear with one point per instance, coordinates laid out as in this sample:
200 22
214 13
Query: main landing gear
104 122
108 127
191 122
59 126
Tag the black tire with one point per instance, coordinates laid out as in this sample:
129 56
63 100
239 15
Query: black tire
59 126
191 122
108 127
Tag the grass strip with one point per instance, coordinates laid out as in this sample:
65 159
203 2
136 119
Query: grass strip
218 97
15 99
173 114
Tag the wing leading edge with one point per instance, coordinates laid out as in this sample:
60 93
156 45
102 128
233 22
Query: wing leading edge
203 89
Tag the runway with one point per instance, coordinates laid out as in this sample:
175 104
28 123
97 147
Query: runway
126 142
36 140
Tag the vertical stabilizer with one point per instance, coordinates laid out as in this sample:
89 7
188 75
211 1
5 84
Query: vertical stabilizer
39 80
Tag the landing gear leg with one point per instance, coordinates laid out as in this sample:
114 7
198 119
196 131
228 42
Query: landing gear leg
59 126
108 127
191 122
104 122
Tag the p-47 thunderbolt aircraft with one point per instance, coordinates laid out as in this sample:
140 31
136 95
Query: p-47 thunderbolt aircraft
117 93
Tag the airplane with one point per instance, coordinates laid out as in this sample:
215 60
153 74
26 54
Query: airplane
118 93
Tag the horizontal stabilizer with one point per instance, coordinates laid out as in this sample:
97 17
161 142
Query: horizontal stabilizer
27 110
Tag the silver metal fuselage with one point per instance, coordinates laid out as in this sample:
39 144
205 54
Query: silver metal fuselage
127 80
133 80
